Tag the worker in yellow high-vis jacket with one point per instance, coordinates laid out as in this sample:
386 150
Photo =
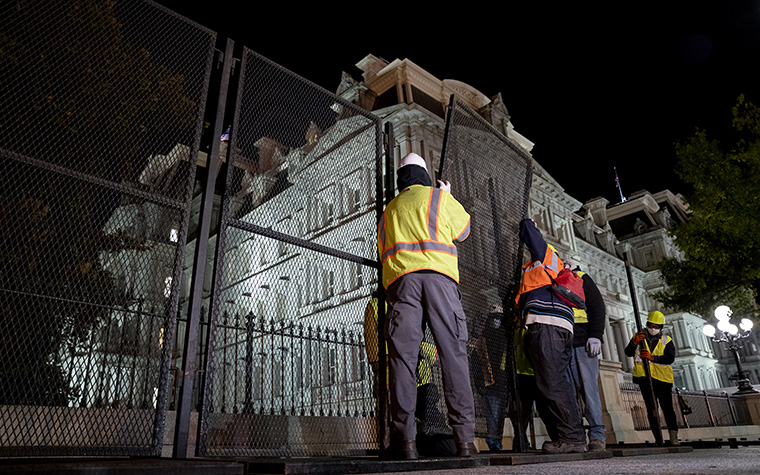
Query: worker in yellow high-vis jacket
433 444
416 240
660 351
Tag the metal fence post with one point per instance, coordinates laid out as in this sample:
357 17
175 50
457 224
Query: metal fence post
386 188
709 409
732 409
184 406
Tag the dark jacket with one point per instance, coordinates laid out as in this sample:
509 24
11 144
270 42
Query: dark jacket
540 300
596 312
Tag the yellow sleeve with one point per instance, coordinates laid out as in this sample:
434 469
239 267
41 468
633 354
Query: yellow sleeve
458 218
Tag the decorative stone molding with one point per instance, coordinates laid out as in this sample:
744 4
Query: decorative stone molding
597 207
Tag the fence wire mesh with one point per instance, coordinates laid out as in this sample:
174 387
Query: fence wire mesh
101 110
693 408
287 370
491 176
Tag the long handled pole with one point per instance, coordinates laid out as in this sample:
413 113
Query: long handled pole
654 412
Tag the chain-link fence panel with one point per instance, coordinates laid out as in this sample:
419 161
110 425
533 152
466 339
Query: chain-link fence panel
287 371
490 176
101 106
693 408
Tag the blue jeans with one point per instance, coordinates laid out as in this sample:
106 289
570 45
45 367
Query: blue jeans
584 372
494 408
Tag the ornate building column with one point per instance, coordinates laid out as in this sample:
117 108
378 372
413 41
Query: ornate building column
608 348
621 340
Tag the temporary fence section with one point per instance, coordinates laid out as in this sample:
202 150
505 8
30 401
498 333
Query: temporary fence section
102 106
287 370
490 176
693 408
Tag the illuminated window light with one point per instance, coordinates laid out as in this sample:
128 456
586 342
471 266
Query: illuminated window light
168 287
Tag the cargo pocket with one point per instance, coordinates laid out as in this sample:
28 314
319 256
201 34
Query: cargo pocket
390 324
461 325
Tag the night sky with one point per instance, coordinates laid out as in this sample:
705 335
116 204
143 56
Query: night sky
593 87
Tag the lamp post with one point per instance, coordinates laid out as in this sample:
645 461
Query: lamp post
728 332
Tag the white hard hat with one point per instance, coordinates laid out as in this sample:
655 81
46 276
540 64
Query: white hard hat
412 159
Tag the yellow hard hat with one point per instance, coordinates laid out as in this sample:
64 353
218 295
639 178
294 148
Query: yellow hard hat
656 317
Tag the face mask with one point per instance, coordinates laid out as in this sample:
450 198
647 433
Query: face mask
653 331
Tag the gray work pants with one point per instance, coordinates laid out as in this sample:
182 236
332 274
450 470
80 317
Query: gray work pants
422 298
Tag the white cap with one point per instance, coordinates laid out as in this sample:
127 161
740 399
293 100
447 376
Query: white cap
412 159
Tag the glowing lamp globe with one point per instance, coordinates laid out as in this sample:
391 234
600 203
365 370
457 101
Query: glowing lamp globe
723 312
733 329
746 324
708 330
724 325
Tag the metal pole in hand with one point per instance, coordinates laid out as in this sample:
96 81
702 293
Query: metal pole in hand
654 412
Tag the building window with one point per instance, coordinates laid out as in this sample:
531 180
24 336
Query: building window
332 370
298 373
331 283
168 287
649 259
277 379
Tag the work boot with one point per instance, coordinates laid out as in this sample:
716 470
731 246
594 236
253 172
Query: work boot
466 449
564 447
673 437
597 445
409 450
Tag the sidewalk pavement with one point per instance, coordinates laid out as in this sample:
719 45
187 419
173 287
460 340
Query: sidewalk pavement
744 460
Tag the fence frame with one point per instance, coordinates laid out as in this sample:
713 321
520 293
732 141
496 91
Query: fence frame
226 222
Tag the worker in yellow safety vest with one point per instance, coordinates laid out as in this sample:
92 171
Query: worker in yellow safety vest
584 361
431 420
660 351
416 239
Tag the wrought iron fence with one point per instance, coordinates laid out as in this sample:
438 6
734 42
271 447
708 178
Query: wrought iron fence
99 141
286 367
693 408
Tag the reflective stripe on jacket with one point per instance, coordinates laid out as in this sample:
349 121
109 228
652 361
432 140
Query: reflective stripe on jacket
418 231
535 273
661 372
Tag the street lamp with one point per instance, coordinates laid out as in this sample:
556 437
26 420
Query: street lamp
728 332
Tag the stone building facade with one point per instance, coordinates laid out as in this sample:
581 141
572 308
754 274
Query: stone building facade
595 235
